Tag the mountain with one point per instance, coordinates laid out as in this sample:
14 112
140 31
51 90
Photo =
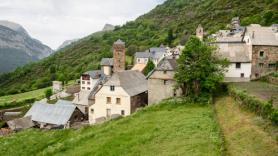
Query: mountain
17 47
178 17
106 28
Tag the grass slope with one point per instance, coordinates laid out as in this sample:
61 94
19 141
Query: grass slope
245 133
151 29
171 128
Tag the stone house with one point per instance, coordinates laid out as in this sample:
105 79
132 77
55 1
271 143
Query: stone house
156 54
57 86
252 50
161 83
263 44
121 95
122 92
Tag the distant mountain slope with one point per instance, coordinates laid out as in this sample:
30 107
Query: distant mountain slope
17 47
178 16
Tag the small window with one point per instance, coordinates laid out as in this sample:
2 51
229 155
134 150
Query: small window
122 112
112 88
164 72
138 60
242 75
261 65
92 111
261 53
118 101
83 82
88 82
165 82
83 87
238 65
88 88
272 65
108 100
175 93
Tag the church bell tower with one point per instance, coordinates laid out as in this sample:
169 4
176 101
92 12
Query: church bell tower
119 56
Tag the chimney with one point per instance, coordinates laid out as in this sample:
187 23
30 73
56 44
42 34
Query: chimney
253 34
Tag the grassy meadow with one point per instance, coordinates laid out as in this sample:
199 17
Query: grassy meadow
245 133
170 128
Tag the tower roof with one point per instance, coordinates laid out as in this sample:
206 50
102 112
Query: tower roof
119 42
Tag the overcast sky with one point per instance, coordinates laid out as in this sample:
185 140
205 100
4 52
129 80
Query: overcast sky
54 21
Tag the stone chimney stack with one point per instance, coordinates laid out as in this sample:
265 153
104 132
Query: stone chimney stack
200 32
119 56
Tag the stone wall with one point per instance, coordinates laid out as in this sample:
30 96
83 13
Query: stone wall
260 64
137 101
119 57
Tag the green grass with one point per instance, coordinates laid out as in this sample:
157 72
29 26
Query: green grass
245 133
23 96
262 90
171 128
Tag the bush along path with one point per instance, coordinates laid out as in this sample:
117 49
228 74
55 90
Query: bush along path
244 132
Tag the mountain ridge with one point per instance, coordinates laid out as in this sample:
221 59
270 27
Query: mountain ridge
179 17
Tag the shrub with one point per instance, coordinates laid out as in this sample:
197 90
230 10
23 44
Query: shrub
48 93
262 108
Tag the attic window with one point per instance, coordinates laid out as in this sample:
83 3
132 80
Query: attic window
261 53
112 88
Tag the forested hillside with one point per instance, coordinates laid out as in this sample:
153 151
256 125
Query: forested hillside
169 23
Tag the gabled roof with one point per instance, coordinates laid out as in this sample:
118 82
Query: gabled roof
56 114
169 64
157 53
21 123
95 74
107 62
262 35
133 82
236 52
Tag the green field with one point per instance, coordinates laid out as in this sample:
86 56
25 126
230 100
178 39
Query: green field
245 133
171 128
23 96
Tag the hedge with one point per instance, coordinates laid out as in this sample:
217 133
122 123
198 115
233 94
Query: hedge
262 108
17 103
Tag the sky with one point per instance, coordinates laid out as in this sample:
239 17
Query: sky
54 21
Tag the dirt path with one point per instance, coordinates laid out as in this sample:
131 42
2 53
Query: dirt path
243 135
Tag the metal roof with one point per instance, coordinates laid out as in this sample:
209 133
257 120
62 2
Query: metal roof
56 114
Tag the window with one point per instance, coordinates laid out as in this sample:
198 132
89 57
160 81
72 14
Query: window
108 100
118 101
256 75
83 82
238 65
261 65
146 60
122 112
175 93
92 111
112 88
165 72
138 60
242 75
261 53
165 82
272 65
88 82
86 110
88 88
83 88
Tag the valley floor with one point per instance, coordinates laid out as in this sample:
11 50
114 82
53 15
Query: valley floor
244 132
171 128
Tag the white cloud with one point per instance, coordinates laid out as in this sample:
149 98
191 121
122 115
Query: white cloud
54 21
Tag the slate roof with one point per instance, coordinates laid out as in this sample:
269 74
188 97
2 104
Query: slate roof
133 82
235 52
262 35
157 53
95 74
119 41
107 62
142 54
56 114
168 64
21 123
